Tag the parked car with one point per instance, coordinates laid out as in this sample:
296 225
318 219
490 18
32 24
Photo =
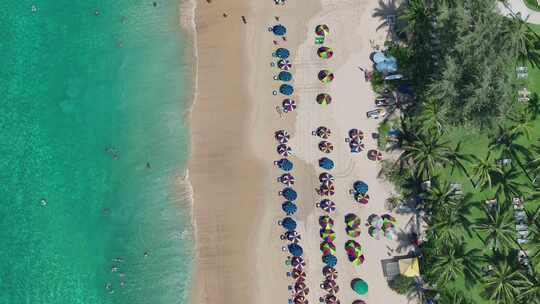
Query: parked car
376 114
384 102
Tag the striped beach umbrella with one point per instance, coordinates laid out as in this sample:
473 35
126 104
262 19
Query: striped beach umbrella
322 132
356 146
282 53
327 190
352 220
360 186
355 134
325 52
375 155
282 136
300 299
326 177
284 164
284 76
286 89
284 150
289 194
297 273
286 179
324 99
325 76
289 208
298 261
353 232
330 272
284 64
322 30
329 260
326 146
278 30
362 198
292 236
330 286
300 288
326 163
330 299
327 205
288 105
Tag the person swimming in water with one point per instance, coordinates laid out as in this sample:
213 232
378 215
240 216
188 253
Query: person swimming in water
43 202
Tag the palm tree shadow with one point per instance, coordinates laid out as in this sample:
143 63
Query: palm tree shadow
387 8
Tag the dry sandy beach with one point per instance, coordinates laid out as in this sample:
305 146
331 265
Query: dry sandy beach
236 202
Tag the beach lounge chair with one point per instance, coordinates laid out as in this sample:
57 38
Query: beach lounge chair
523 233
522 241
491 203
520 227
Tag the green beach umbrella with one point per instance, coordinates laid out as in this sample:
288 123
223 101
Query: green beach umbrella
325 76
328 234
326 222
360 286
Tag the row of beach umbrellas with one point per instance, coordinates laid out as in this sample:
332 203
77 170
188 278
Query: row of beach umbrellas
284 65
328 250
355 140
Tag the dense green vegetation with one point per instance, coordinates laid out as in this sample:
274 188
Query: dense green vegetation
532 4
469 150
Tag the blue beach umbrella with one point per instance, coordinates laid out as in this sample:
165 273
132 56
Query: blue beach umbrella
288 223
282 53
284 164
379 57
329 260
286 89
285 76
387 66
360 187
289 208
326 163
295 249
279 30
289 194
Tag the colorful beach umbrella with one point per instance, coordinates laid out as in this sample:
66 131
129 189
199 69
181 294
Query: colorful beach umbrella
323 132
353 232
330 299
284 76
374 232
330 286
324 99
286 89
326 163
295 249
327 205
289 194
328 248
327 190
325 76
352 220
283 150
328 235
300 299
284 64
326 222
388 217
326 177
322 30
360 286
288 105
302 290
356 146
286 179
284 164
282 136
298 261
282 53
279 30
297 273
360 186
359 302
329 260
330 272
374 155
356 134
289 208
362 198
325 52
288 223
326 146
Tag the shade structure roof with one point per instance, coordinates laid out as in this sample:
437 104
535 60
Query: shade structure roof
286 89
282 53
359 286
279 30
387 66
409 267
285 76
378 57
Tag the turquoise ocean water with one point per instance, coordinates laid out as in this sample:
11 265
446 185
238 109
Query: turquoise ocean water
91 123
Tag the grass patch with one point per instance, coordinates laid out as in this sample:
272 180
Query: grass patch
532 4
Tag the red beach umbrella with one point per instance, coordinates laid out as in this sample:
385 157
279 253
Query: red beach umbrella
282 136
326 177
362 198
375 155
326 146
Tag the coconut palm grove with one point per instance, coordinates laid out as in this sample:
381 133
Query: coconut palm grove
466 141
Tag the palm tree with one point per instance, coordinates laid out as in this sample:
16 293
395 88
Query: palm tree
458 158
534 163
522 40
454 297
440 198
425 153
433 116
497 227
450 227
506 142
416 14
522 123
530 294
508 185
454 262
503 283
484 171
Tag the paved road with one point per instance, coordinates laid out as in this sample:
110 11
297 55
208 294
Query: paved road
518 6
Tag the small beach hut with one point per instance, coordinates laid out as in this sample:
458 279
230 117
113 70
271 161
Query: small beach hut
359 286
284 76
284 64
288 223
278 30
284 164
329 260
322 30
325 76
282 136
289 208
325 52
286 89
326 163
289 194
295 250
360 187
409 267
288 105
283 150
324 99
282 53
